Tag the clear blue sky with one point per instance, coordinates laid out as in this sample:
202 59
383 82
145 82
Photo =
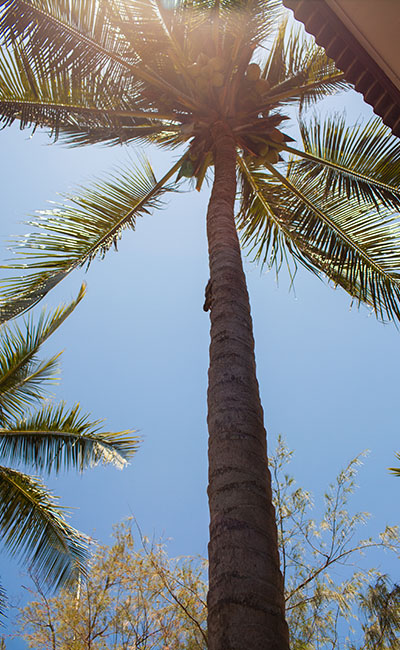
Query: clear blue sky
136 353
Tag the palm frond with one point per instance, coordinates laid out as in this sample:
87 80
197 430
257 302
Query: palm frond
361 161
57 438
65 103
3 607
82 39
263 230
34 528
110 131
258 17
354 246
65 34
298 70
148 27
237 27
22 377
73 234
395 470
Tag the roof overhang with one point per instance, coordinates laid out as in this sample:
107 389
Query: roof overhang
361 36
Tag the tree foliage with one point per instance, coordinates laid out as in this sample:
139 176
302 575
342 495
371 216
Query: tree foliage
138 595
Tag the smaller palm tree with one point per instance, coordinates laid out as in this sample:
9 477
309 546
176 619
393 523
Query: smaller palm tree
50 438
381 608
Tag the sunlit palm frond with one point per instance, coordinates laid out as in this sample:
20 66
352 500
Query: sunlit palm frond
57 438
23 378
34 528
65 34
259 16
76 232
121 131
61 100
361 160
149 27
83 39
265 232
354 246
298 70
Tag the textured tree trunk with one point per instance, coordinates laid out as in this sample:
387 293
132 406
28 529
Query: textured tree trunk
245 600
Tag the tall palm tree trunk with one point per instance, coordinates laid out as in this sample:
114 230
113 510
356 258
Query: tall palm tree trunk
245 601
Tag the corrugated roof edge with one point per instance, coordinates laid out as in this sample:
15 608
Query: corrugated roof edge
358 66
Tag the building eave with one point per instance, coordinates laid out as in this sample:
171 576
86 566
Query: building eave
358 66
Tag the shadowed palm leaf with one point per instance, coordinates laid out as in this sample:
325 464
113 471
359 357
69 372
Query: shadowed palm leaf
22 377
55 438
50 439
32 526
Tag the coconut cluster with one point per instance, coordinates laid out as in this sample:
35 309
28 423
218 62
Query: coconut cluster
208 72
266 147
262 143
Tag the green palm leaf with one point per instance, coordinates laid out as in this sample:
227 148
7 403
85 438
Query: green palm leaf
361 160
256 17
68 104
33 527
263 225
3 607
51 439
395 470
23 378
65 34
299 70
56 438
354 246
82 39
73 234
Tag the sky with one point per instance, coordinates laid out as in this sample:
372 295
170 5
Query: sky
136 353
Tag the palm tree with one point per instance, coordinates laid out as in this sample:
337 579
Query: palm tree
381 608
49 439
216 79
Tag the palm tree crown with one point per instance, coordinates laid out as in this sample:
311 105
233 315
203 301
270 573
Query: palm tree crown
129 71
217 78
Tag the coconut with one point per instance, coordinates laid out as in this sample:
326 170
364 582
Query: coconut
217 63
195 70
276 136
202 84
265 149
217 79
202 59
272 156
262 86
253 71
187 169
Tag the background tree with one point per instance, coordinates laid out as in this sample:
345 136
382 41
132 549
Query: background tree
141 596
322 587
133 71
49 439
132 598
